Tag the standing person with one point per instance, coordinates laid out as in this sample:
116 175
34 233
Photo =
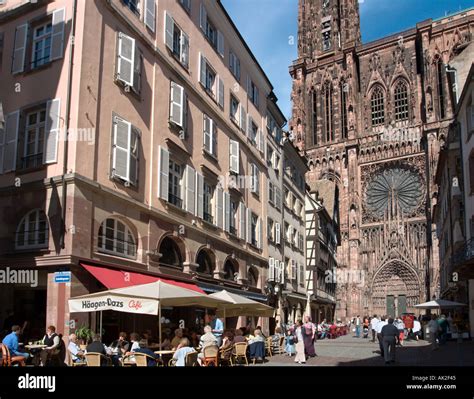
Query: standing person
390 337
52 350
300 357
401 329
357 326
443 333
290 343
378 328
217 328
433 328
373 324
309 333
416 330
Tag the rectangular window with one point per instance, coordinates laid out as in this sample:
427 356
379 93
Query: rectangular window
234 208
253 132
42 36
271 192
210 135
302 275
254 230
207 202
133 5
234 65
129 63
175 184
211 82
176 40
253 92
32 155
186 4
234 110
270 230
270 155
255 184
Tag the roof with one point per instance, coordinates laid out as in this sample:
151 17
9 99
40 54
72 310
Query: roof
326 190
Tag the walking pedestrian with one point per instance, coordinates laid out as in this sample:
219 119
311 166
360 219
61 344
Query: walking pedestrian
357 323
373 324
300 357
434 328
389 337
309 334
378 328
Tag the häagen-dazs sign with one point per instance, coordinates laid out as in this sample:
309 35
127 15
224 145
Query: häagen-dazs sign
114 302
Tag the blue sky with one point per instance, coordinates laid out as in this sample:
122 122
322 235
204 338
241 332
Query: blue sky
269 26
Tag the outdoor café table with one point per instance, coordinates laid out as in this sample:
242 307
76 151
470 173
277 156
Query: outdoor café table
35 347
165 353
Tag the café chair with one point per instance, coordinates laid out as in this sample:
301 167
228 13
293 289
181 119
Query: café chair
240 352
8 360
268 346
97 359
211 355
141 359
71 363
191 359
225 355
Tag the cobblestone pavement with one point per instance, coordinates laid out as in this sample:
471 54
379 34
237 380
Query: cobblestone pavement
350 351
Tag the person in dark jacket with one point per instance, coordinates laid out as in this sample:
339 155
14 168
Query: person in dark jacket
389 339
147 351
96 346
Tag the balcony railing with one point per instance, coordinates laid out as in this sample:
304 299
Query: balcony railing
233 230
208 217
176 201
464 254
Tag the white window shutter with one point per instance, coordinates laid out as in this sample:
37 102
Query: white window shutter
203 18
220 90
226 211
163 174
243 119
271 269
126 59
262 142
242 220
220 43
219 202
169 31
277 233
249 126
282 271
199 195
207 130
213 138
234 156
150 14
57 37
9 142
52 131
202 69
19 52
190 195
260 233
184 51
177 104
277 271
249 225
121 149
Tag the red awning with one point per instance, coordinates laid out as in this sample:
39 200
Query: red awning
114 278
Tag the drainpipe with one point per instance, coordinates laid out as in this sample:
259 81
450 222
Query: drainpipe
66 124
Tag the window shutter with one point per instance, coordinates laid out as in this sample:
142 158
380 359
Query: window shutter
137 72
150 14
163 175
213 138
52 131
277 271
260 233
220 43
277 233
293 270
57 38
249 126
199 195
262 142
177 104
169 31
203 18
243 119
184 56
226 211
234 156
134 151
9 142
237 63
242 215
19 52
125 59
202 69
219 201
282 271
220 90
207 132
271 269
190 195
249 225
121 149
296 238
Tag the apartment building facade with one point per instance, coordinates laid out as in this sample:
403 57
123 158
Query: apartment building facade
135 148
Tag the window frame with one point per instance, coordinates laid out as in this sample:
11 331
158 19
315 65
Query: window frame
26 221
127 233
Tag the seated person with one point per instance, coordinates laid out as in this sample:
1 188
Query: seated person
261 332
180 354
135 341
74 349
257 337
257 345
147 351
239 336
11 342
178 335
208 338
54 349
194 339
96 346
119 347
227 343
276 338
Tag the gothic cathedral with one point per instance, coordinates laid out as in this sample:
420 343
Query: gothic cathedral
371 118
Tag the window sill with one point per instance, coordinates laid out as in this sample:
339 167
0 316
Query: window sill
30 170
209 225
210 156
254 246
115 254
169 205
26 250
31 71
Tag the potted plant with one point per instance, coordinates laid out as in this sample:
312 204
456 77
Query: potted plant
84 334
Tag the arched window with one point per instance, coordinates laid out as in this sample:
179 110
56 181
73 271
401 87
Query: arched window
204 260
401 101
439 75
377 106
170 253
230 270
252 277
344 89
328 114
117 239
33 231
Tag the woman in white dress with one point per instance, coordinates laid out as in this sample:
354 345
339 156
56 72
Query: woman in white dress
300 357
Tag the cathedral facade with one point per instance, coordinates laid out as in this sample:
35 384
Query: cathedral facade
371 118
